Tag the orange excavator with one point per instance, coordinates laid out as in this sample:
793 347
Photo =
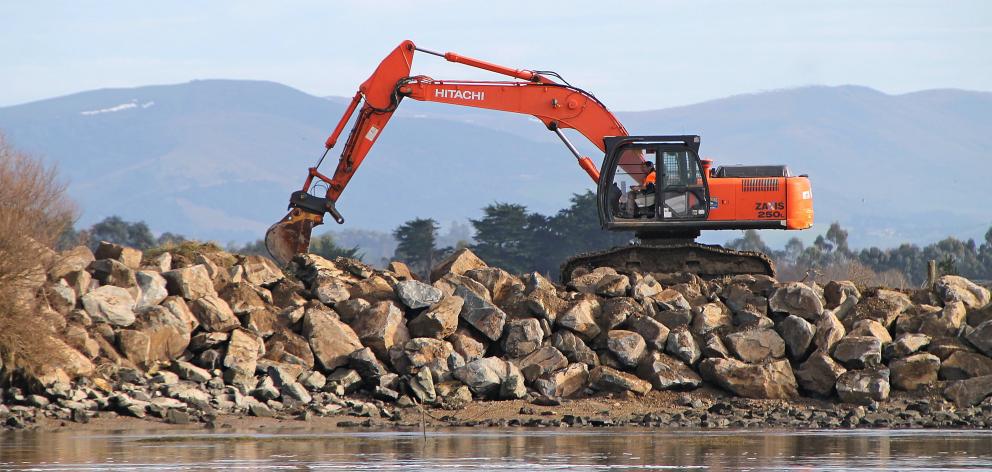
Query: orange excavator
656 186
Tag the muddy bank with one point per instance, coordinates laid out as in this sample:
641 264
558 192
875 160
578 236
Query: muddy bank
200 336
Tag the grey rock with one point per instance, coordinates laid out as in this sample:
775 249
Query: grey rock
771 380
415 294
863 387
572 346
818 374
654 333
682 345
965 393
858 352
481 313
797 334
541 362
110 304
667 373
606 379
191 282
981 337
627 347
905 344
915 371
439 320
796 299
152 287
522 337
756 345
581 318
713 346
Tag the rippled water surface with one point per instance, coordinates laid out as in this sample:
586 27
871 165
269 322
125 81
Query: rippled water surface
517 449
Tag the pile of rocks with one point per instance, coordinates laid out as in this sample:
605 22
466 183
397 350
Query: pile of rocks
190 337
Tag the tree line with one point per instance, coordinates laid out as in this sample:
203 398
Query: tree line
510 236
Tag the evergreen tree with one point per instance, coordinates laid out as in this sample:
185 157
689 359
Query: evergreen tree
115 230
505 236
325 246
417 244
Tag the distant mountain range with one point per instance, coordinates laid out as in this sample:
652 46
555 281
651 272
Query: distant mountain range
217 159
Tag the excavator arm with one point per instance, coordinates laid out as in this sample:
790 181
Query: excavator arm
557 105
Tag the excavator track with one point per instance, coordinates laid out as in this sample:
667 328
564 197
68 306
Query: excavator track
707 261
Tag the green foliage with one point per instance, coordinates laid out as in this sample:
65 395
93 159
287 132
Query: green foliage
115 230
325 246
417 240
510 237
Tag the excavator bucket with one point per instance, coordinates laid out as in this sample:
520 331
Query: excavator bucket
291 235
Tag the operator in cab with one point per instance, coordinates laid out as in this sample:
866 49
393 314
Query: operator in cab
649 180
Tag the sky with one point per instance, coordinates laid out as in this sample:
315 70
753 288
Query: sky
632 55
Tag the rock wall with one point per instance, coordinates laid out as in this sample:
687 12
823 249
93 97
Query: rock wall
188 337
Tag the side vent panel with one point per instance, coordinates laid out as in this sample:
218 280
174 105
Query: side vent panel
759 185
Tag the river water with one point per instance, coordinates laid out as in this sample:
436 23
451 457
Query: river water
489 449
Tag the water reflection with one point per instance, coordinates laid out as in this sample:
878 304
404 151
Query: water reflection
499 449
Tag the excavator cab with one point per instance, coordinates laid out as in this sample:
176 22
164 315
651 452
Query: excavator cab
631 198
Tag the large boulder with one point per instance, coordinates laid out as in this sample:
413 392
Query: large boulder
581 318
152 286
606 379
904 345
756 345
242 355
69 261
771 380
590 282
615 312
981 337
952 288
683 345
541 363
214 314
288 347
128 256
484 377
858 352
381 327
965 393
415 294
440 357
463 260
367 365
863 387
797 333
565 382
711 316
330 339
871 328
667 373
111 272
946 322
572 346
110 304
914 372
627 347
838 292
191 282
523 336
963 365
439 321
829 330
467 343
796 299
498 282
260 271
168 334
654 333
482 314
818 375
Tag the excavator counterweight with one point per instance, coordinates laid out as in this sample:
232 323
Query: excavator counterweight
656 186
